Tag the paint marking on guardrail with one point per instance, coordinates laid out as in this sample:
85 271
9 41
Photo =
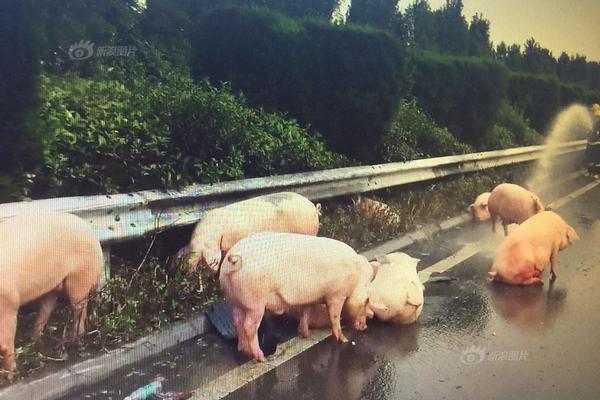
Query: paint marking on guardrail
246 373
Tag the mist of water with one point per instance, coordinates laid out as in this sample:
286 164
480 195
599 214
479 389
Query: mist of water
572 123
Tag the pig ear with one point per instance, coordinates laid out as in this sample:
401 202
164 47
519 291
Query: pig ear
471 207
537 204
572 235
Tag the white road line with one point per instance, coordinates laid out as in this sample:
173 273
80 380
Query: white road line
238 377
572 196
246 373
467 251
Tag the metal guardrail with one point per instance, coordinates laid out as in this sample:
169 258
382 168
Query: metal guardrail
121 217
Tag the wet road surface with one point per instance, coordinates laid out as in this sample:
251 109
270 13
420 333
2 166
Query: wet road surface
474 340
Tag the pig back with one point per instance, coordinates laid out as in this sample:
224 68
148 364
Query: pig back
292 269
39 249
513 203
279 212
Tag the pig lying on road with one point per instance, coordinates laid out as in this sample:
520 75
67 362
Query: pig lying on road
276 271
223 227
523 255
44 255
513 204
396 293
479 208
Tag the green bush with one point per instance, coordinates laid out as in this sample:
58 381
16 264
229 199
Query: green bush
537 95
102 135
414 134
462 94
343 81
511 129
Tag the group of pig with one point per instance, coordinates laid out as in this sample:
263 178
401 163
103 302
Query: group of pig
541 235
265 250
269 258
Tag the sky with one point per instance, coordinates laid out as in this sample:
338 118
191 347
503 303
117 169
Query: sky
559 25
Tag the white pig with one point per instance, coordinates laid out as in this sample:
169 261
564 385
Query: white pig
513 204
276 271
523 255
44 255
396 293
223 227
479 208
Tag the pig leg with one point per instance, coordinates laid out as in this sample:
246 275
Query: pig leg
505 226
303 326
77 294
238 316
493 219
334 308
251 324
47 304
8 327
553 263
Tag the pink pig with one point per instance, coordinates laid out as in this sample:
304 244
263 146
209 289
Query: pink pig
276 271
523 255
396 293
44 255
479 208
223 227
513 204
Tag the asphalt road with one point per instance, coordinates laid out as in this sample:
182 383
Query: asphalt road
474 339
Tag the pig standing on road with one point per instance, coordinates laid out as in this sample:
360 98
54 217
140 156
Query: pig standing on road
223 227
396 293
276 271
523 255
44 255
513 204
479 208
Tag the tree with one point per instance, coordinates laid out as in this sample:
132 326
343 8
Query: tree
421 25
537 59
562 66
452 33
514 58
479 36
380 13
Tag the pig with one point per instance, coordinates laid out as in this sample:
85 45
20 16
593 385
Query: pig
44 255
513 204
396 293
223 227
375 210
479 208
523 255
275 271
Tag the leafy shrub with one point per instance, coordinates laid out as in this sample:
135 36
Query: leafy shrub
536 95
343 81
462 94
414 134
511 129
103 135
